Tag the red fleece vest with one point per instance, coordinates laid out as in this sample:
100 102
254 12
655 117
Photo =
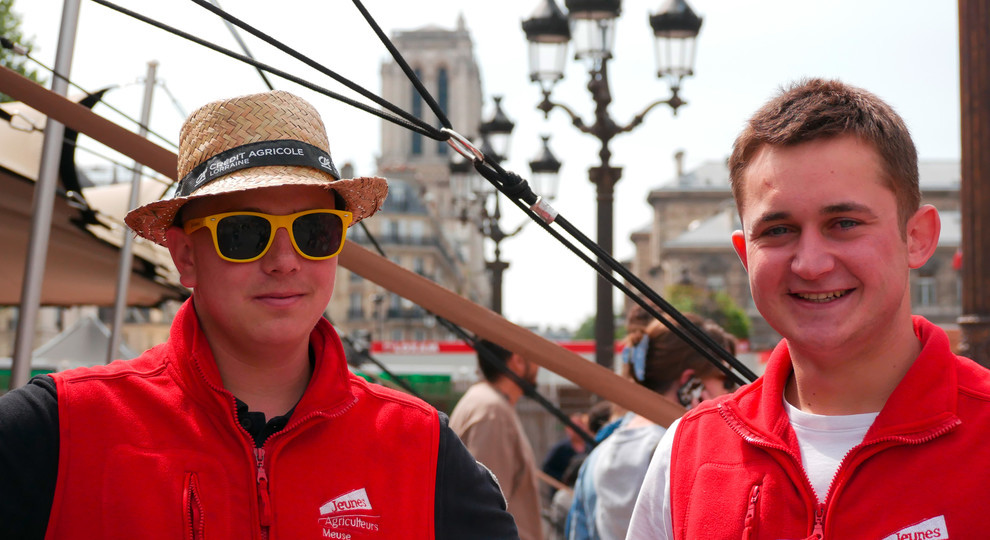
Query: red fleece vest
921 471
150 448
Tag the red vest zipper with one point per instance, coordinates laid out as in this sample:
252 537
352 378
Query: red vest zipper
819 532
264 502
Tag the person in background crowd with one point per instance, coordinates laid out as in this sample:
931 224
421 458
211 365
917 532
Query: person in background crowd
658 359
485 419
864 424
561 454
246 423
560 504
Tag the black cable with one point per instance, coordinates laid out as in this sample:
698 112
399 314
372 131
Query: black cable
529 390
410 74
8 44
364 353
518 191
319 67
431 133
244 47
740 377
125 166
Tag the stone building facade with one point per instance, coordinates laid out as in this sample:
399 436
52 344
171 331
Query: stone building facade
419 227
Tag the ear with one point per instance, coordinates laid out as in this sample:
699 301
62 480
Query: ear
739 244
180 246
922 232
516 364
685 376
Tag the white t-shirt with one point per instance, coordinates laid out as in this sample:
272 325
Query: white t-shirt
824 441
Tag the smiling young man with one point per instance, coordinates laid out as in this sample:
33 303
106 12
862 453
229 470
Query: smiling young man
865 424
246 423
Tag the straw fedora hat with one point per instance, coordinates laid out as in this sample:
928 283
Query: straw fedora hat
250 142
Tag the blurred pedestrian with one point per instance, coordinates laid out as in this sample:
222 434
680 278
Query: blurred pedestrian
485 419
609 481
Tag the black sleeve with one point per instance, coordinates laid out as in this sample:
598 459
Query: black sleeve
469 503
28 458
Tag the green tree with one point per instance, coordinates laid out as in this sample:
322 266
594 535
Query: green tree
587 330
717 306
10 23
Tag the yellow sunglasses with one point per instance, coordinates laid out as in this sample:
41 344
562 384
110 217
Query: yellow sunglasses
247 236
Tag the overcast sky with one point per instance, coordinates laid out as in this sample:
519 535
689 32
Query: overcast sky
906 51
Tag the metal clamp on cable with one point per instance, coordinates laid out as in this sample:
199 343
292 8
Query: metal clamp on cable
543 209
463 146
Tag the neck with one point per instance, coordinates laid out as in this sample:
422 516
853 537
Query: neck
510 389
853 382
271 383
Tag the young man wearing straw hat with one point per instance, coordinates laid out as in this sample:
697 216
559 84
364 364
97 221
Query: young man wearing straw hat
246 423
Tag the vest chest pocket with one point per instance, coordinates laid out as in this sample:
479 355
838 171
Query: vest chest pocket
170 494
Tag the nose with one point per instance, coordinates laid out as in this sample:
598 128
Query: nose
281 256
812 257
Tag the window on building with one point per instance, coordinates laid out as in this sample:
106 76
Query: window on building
925 285
399 193
417 111
355 308
925 291
396 334
442 102
416 231
715 283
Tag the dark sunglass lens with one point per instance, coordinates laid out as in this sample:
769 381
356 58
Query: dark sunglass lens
318 235
243 237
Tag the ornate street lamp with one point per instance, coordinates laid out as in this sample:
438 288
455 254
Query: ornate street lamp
546 169
675 29
548 32
593 27
592 23
498 131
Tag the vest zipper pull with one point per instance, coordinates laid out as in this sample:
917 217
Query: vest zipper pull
819 531
264 502
749 526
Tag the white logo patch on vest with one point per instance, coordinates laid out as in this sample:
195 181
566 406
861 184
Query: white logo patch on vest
349 513
927 529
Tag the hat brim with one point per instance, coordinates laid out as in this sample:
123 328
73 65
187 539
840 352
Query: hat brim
363 196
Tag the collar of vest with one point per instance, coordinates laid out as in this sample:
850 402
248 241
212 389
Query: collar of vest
328 392
923 405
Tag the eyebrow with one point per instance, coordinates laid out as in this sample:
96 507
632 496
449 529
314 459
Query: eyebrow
845 207
838 208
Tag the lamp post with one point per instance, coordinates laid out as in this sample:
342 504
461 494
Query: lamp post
592 25
475 190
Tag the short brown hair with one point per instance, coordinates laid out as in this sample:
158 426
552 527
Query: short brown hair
490 371
667 355
814 109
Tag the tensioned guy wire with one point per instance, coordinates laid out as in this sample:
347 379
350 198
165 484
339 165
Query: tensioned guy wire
8 44
428 131
509 184
316 65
